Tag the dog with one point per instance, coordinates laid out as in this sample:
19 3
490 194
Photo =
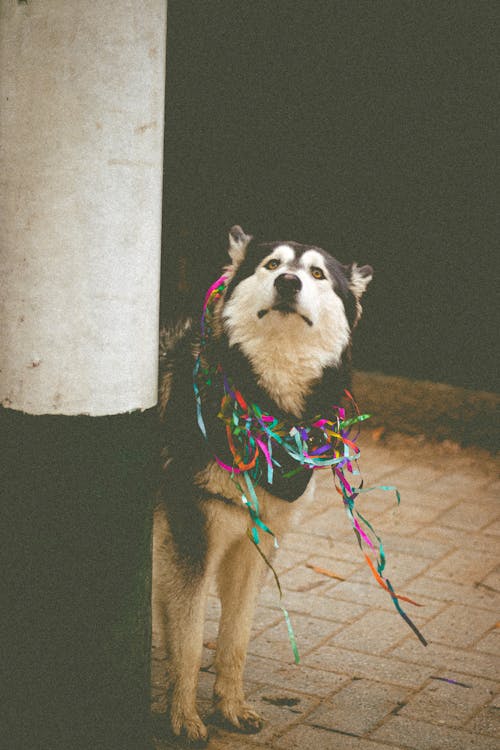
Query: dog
281 331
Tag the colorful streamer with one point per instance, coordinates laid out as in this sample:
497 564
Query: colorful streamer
327 442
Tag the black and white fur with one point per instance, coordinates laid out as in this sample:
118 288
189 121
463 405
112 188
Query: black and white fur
282 333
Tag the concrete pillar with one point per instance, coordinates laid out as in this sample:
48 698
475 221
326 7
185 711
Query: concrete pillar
81 163
82 87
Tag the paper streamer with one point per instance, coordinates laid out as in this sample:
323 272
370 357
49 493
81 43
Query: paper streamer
327 442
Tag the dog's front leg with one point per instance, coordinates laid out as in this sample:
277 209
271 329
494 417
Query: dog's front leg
179 598
239 575
186 649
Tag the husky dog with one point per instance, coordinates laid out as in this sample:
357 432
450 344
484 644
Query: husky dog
282 333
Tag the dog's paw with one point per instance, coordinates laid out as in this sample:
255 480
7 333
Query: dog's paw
236 717
191 727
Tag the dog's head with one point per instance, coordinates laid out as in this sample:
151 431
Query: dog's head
276 286
290 304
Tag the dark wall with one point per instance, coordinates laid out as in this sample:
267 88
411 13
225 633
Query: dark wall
365 127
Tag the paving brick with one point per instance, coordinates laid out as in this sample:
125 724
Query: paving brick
307 737
472 485
415 545
491 581
430 496
375 632
472 516
451 591
343 565
205 686
316 682
305 579
419 735
269 594
419 475
207 656
410 518
288 558
309 632
371 667
326 500
358 707
378 503
210 631
347 550
492 483
487 721
266 617
490 644
452 703
213 608
493 528
457 538
400 568
319 605
379 456
332 523
298 677
460 626
467 565
443 659
280 710
367 593
302 541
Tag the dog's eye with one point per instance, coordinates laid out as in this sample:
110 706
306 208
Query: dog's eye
317 273
272 264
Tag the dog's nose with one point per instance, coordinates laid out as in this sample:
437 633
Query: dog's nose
287 285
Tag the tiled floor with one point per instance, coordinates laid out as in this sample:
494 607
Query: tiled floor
364 680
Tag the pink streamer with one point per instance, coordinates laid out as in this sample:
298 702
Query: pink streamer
214 286
344 481
226 467
362 534
264 450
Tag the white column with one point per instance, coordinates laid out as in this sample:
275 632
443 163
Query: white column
81 159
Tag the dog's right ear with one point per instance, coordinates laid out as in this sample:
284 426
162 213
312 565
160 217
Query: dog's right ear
238 242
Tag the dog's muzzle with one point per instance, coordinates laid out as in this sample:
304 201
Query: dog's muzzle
287 285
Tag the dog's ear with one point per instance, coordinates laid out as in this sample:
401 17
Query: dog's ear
359 277
238 242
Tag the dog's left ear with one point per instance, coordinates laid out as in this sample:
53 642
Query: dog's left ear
238 242
359 277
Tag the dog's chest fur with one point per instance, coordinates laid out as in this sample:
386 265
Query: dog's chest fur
272 510
287 370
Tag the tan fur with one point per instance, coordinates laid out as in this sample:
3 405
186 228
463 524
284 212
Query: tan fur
235 566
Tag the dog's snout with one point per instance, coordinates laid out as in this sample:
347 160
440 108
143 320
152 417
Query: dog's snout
287 284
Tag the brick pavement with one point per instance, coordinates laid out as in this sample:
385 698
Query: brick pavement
365 682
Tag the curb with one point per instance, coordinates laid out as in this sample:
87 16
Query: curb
436 410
